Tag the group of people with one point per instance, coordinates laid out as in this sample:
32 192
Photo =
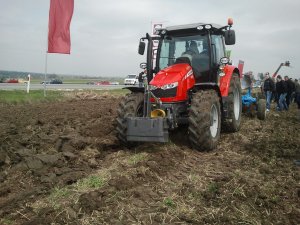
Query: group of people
283 91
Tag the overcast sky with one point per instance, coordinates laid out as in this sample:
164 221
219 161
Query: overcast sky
105 34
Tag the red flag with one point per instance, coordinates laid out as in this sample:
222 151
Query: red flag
60 16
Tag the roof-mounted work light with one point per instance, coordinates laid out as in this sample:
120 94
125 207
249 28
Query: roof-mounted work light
208 26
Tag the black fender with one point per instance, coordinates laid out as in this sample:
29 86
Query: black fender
208 85
135 89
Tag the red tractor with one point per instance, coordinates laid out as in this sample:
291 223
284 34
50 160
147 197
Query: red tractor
189 82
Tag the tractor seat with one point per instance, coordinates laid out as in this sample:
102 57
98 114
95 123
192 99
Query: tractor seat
183 60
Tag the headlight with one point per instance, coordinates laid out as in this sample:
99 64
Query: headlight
152 87
169 86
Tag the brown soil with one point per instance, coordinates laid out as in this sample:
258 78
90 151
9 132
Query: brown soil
60 163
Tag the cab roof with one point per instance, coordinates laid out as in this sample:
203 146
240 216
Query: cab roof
193 26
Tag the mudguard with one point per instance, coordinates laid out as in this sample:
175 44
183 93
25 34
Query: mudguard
135 89
225 80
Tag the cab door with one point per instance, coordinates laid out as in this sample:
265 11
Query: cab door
218 51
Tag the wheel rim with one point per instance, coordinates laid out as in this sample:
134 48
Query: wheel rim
236 103
214 121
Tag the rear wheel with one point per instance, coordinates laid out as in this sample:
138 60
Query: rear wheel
204 120
234 104
261 109
130 106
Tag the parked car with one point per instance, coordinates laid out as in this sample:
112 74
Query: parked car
90 83
12 81
131 79
53 81
56 81
102 83
47 82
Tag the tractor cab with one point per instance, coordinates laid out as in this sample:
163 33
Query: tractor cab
194 49
200 45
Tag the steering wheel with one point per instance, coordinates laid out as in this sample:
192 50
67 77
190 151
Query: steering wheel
189 52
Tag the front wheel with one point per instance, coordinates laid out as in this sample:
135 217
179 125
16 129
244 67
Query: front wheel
130 106
234 104
204 120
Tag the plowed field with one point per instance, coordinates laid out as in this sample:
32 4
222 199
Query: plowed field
60 163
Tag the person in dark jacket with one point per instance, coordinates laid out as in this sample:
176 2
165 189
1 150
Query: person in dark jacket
281 90
290 89
268 89
141 78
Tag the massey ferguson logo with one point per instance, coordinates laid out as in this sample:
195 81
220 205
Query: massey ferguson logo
188 74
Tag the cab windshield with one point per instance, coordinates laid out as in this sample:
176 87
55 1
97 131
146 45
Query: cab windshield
191 47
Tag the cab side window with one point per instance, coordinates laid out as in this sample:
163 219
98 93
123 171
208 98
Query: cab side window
164 55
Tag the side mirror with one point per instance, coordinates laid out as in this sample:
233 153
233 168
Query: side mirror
142 46
143 66
229 37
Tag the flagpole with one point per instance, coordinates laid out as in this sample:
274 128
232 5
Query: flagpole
46 57
45 75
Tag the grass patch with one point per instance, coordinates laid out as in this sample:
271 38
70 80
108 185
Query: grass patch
60 198
18 96
57 195
93 181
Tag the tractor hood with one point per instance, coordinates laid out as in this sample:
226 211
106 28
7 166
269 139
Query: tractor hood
171 74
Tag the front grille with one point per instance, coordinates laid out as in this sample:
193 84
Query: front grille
160 93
